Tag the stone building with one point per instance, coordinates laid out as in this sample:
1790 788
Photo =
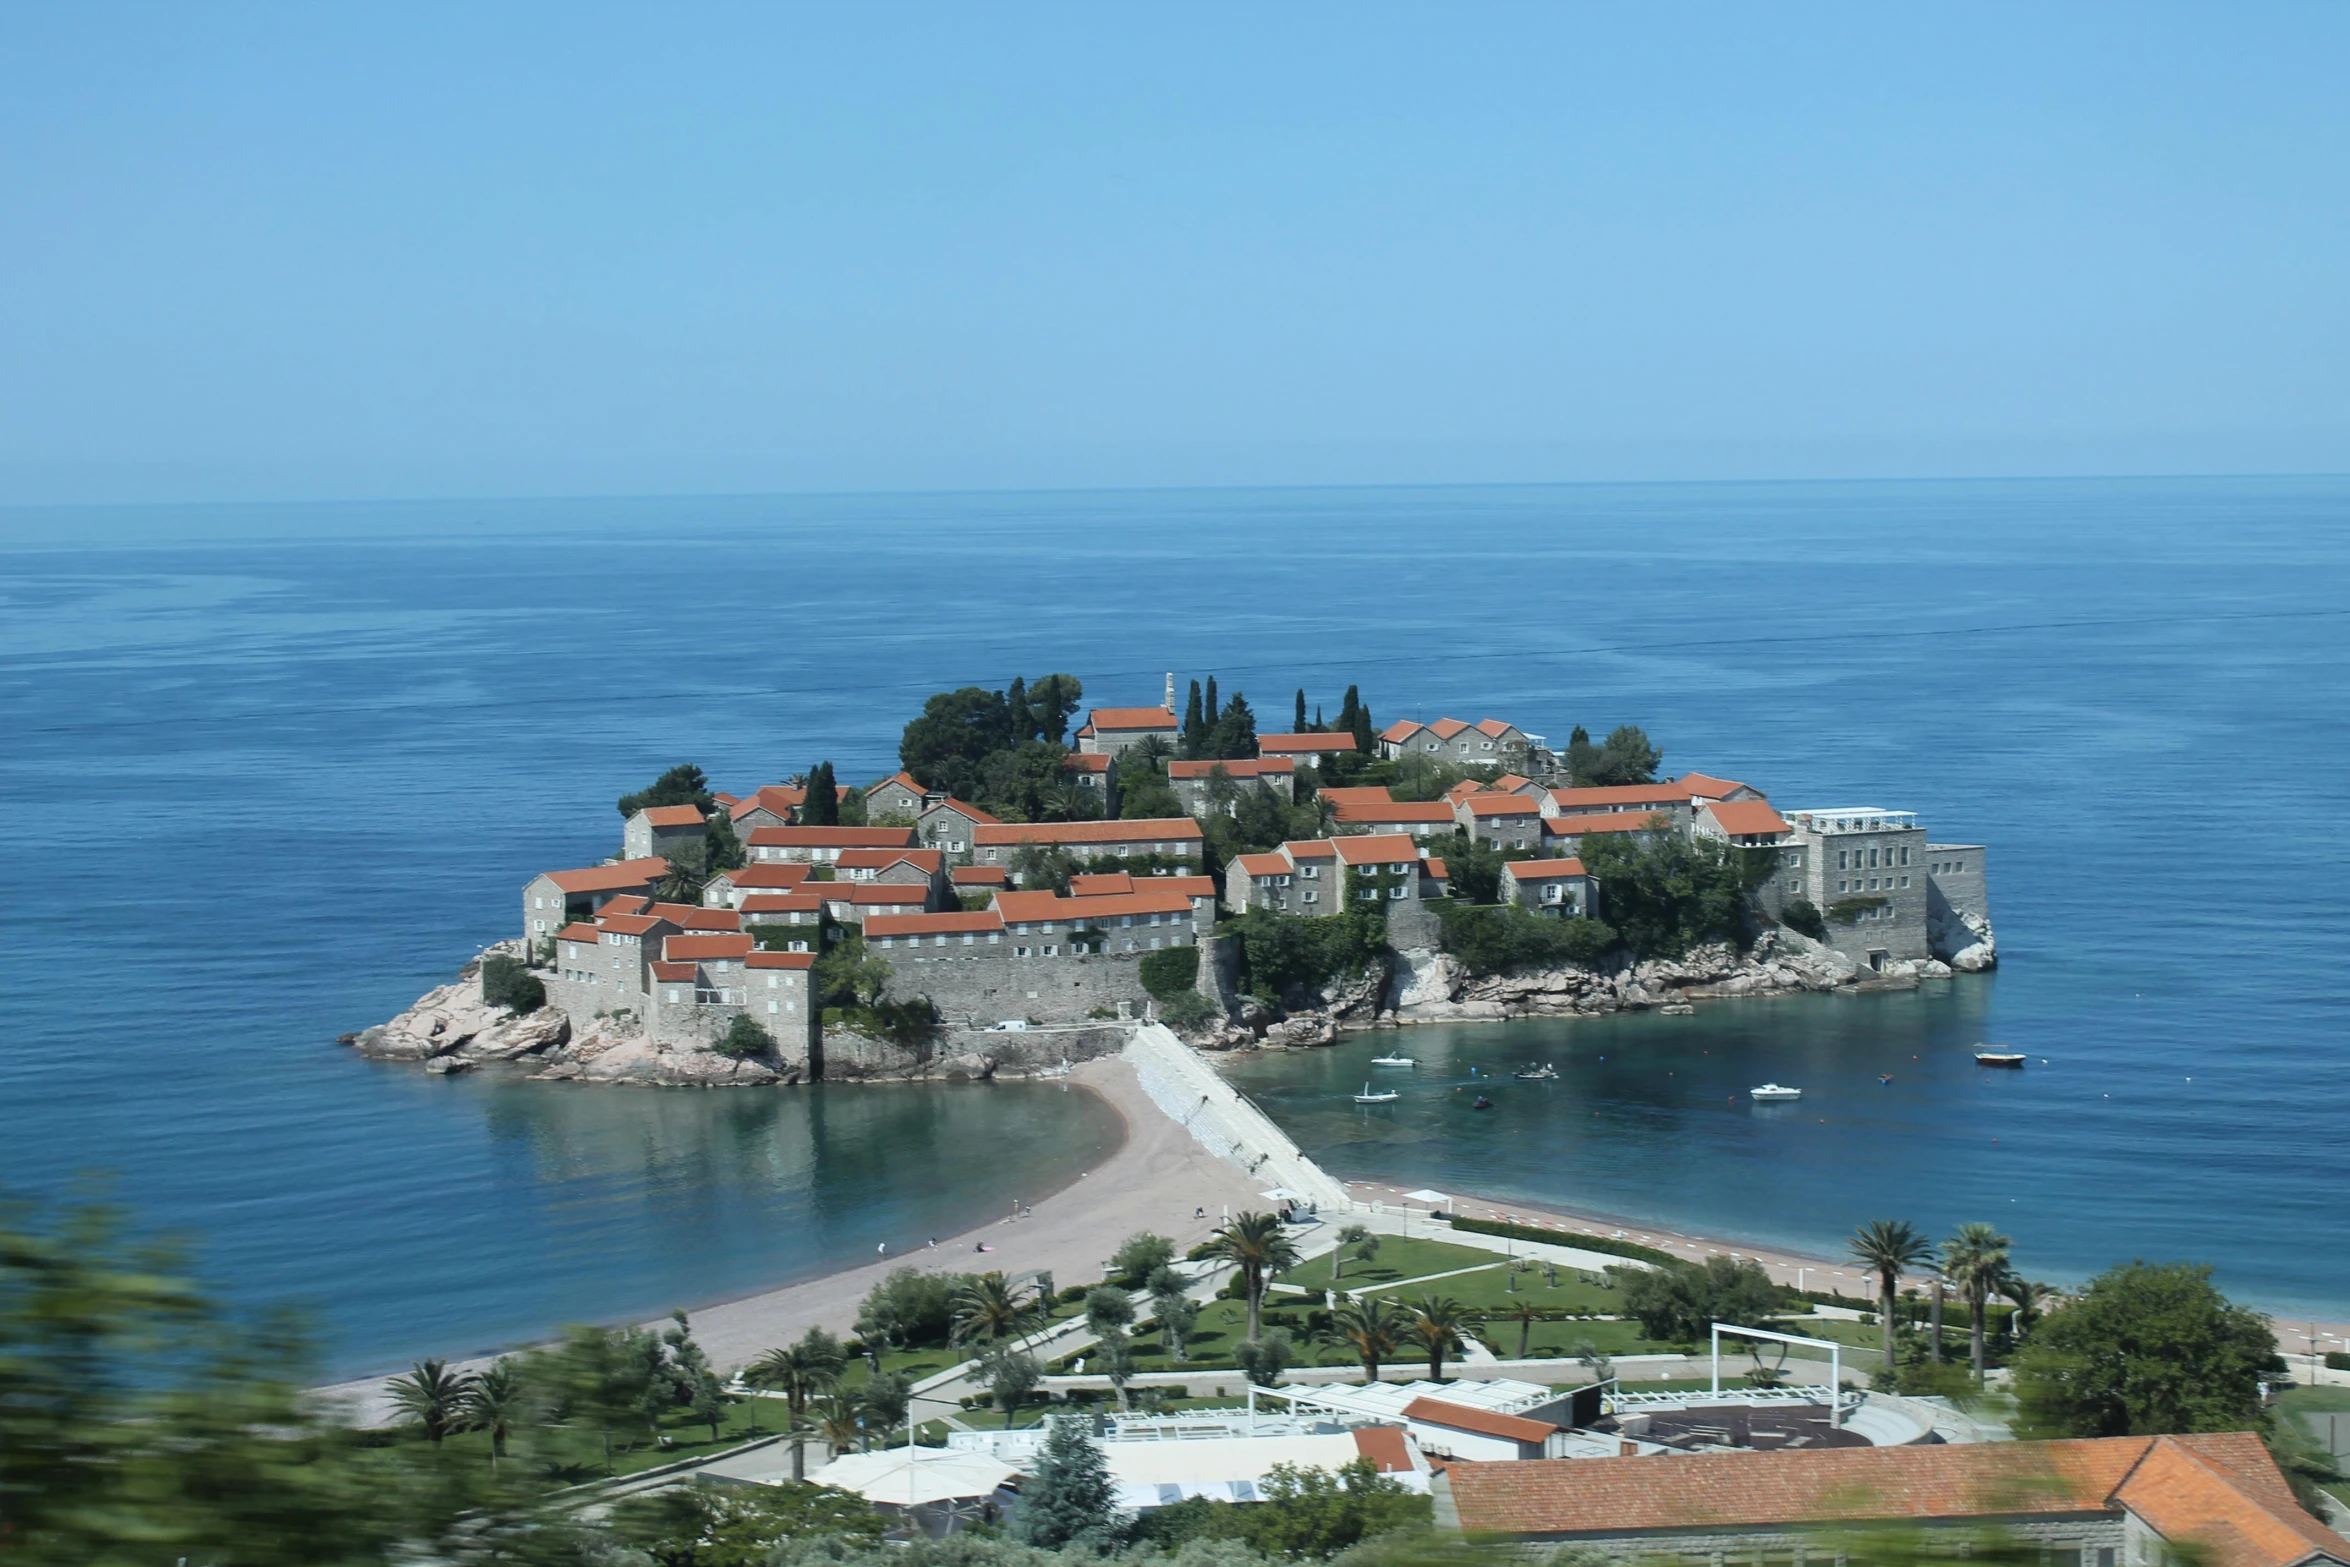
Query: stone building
898 798
1670 799
1488 740
1422 819
1562 836
772 805
1095 775
1308 876
1302 750
821 845
2122 1501
1110 730
1194 782
921 866
1142 920
1560 887
1168 837
661 830
729 889
554 899
1958 904
978 968
854 902
801 914
946 823
1864 869
1507 821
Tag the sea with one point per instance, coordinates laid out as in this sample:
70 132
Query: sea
269 772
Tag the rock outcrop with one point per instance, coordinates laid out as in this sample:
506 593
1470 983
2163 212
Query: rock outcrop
1963 940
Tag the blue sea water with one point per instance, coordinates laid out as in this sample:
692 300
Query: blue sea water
269 772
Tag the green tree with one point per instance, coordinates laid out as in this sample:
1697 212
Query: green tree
820 807
1976 1259
1436 1324
1672 893
1311 1513
2146 1349
1356 1243
1068 1500
1298 723
989 1307
1234 734
888 1400
1889 1248
1195 723
944 747
1803 916
1371 1329
1043 867
745 1039
432 1396
1052 701
911 1309
722 850
1141 1255
1675 1302
509 983
1525 1312
1018 720
1263 1359
681 785
1108 1310
1258 1246
741 1526
1010 1374
800 1372
1506 938
1625 757
498 1403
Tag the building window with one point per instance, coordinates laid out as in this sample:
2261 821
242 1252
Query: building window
1052 950
1019 952
771 1009
1313 896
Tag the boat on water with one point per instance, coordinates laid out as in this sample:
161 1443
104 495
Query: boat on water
1393 1061
1986 1056
1384 1097
1531 1073
1775 1093
1482 1103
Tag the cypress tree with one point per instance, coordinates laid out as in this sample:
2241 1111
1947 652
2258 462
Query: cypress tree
1348 708
1363 728
1194 725
1022 722
1301 710
1209 706
821 807
1318 729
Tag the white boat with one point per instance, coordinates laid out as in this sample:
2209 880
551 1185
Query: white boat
1987 1056
1772 1093
1366 1097
1393 1061
1532 1073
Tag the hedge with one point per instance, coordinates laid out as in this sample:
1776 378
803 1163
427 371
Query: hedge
1170 971
2337 1361
1528 1232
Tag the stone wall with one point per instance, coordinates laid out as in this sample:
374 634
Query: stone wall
982 985
968 1054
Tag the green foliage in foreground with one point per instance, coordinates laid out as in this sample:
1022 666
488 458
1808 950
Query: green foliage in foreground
1170 971
508 982
1678 1302
1307 1512
1674 893
1285 954
1501 938
2147 1348
681 785
1189 1011
1528 1232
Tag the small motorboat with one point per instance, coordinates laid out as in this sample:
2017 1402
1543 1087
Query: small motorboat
1384 1097
1884 1077
1775 1093
1481 1103
1531 1073
1986 1056
1393 1061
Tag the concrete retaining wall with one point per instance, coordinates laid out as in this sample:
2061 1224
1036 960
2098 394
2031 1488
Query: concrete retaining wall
1221 1119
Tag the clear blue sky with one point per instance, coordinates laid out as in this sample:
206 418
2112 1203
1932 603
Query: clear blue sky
327 250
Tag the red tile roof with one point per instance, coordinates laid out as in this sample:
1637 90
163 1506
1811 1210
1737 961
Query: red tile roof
1485 1422
696 949
1387 1447
631 924
780 960
2224 1492
1603 821
1398 732
1741 817
964 809
1375 849
1446 728
902 778
1578 800
1302 745
1351 811
1240 767
953 923
672 972
1262 864
927 861
1355 794
781 903
691 918
1050 906
673 815
769 875
1130 718
586 933
628 903
832 837
1493 727
1310 849
1542 870
1500 805
776 799
611 878
980 876
1147 830
1082 762
1430 866
1100 885
874 894
1702 787
1189 886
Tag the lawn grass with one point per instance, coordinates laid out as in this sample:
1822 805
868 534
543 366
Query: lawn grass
1399 1258
1489 1290
584 1458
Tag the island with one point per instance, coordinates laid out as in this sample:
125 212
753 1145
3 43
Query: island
1017 895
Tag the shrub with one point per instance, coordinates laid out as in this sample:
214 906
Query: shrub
1673 894
1598 1243
1141 1255
1494 940
1170 972
2337 1361
1803 917
1285 952
508 982
1188 1011
744 1039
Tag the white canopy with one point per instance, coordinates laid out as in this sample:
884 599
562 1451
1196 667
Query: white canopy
891 1479
1284 1194
1425 1195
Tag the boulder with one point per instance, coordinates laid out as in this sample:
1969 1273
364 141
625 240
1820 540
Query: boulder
448 1066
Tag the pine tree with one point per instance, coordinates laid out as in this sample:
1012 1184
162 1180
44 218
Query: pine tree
1068 1500
1301 710
1194 724
1023 722
821 806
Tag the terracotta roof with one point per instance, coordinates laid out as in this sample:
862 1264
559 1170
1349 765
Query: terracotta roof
1109 883
1051 906
1238 767
1147 830
1542 870
586 933
1100 885
962 808
1740 817
1446 728
631 924
1430 866
768 875
673 815
1510 783
1310 849
928 861
1351 811
781 903
701 919
672 972
949 924
1263 864
611 878
1486 1422
777 799
980 876
1300 745
1604 821
832 837
878 894
1130 718
1494 727
695 949
1375 848
1189 886
626 903
1500 805
1082 762
902 778
1574 800
1355 794
2222 1490
780 960
723 798
1702 787
1396 732
1389 1450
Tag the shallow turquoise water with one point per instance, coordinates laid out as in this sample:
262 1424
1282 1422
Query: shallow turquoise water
268 773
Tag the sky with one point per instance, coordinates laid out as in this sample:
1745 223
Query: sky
414 250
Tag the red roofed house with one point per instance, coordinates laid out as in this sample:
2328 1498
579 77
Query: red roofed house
601 968
1702 788
1354 794
898 798
1748 824
1145 919
766 909
660 829
728 889
1195 785
1462 1432
1110 730
1169 837
2123 1501
1097 775
1670 797
903 865
778 996
1413 818
772 805
1507 821
853 902
554 899
1561 887
1450 740
1302 749
1563 835
979 878
822 845
946 822
1308 876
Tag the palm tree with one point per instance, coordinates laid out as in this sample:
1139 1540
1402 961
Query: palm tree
1890 1247
496 1404
992 1307
2030 1298
1525 1314
1256 1244
1436 1322
433 1396
799 1372
1373 1328
1364 1246
1976 1259
840 1420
